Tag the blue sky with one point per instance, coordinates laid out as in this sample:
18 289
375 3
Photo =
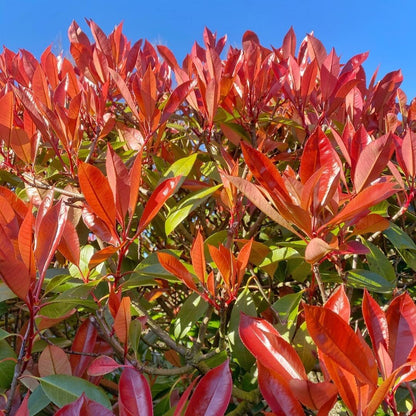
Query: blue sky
385 28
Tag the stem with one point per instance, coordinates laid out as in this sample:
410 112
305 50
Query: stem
19 366
317 275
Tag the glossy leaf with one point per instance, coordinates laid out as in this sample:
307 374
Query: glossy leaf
122 320
276 390
213 392
103 365
134 397
377 326
85 407
401 321
118 179
176 268
359 205
49 234
64 389
334 337
269 348
339 303
186 207
372 161
255 196
97 191
198 257
159 196
84 341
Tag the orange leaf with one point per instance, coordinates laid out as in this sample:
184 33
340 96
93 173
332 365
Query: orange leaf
97 191
198 257
159 196
176 268
122 320
53 360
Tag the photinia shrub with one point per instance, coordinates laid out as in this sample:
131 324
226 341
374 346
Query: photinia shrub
229 235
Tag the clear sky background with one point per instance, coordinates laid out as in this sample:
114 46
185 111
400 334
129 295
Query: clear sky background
385 28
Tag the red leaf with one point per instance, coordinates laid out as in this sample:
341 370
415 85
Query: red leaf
177 97
243 258
102 255
84 342
148 92
17 204
135 179
48 235
270 349
102 41
198 257
334 337
118 179
40 87
14 272
21 145
213 393
318 152
103 365
289 44
176 268
359 205
182 401
377 327
98 227
125 92
222 258
401 320
135 398
308 81
279 396
406 153
53 360
69 245
25 241
372 161
23 409
345 381
314 395
316 49
329 75
159 196
6 117
254 195
265 172
97 191
339 303
84 406
122 320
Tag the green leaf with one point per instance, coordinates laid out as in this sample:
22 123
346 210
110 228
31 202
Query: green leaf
37 401
378 262
63 389
186 206
287 308
240 354
7 364
6 293
181 167
365 279
399 238
193 308
135 332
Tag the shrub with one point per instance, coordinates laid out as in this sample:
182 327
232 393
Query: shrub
164 227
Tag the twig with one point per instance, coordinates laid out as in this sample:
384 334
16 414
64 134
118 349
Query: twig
317 275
